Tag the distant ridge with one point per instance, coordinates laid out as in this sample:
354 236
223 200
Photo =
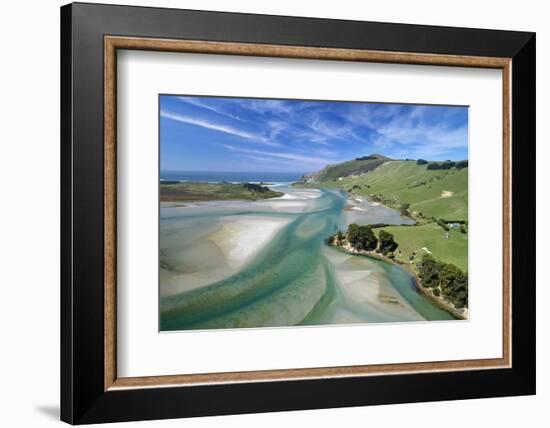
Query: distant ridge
356 166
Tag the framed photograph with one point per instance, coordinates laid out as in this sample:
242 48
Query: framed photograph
266 213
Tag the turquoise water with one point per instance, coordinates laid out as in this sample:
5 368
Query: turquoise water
295 279
404 282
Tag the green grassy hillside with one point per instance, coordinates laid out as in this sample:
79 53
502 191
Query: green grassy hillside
429 195
352 167
193 191
415 241
434 193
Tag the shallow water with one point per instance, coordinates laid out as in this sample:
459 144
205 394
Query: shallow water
286 274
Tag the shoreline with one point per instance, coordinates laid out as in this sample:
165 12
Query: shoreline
212 199
460 314
351 194
382 204
438 301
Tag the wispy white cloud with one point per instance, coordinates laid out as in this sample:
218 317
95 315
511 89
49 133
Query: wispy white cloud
256 158
323 129
312 160
198 102
269 106
217 127
316 132
276 127
311 137
327 153
410 130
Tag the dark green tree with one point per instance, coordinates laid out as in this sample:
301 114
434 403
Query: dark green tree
353 234
441 165
362 238
454 285
386 242
442 223
255 187
452 282
461 164
429 270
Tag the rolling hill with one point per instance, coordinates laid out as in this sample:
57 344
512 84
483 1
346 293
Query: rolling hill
440 193
352 167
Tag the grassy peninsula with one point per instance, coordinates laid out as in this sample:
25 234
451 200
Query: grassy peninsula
175 191
445 283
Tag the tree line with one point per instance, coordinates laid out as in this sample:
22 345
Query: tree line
444 279
362 238
448 164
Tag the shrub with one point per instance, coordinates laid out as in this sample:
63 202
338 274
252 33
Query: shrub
429 271
362 238
441 165
461 164
442 224
421 162
255 187
387 243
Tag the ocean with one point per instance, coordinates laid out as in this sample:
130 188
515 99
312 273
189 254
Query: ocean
231 176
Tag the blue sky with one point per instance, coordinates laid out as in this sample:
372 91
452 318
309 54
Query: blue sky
246 134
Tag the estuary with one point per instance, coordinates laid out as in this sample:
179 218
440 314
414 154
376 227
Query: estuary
265 263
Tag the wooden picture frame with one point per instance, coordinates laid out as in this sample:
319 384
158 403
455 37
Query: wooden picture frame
91 390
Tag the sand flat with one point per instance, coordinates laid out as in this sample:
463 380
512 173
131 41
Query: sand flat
199 255
366 290
241 238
